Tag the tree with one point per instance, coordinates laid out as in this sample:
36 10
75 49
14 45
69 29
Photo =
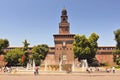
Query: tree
25 56
116 52
14 57
85 48
26 44
4 43
93 45
39 53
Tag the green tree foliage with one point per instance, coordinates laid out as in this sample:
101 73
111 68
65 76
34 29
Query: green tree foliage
39 53
93 44
13 57
26 53
117 38
4 43
85 48
116 52
26 44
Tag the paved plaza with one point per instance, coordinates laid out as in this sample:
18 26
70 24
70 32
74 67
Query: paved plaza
63 76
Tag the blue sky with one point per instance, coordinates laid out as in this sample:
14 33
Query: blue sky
37 20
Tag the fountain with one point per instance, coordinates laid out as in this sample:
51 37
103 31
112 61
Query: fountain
60 65
84 64
28 66
33 65
45 66
73 66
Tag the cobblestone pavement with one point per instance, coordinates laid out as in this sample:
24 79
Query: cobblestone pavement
62 76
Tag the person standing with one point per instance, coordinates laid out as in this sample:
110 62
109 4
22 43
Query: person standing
36 70
113 69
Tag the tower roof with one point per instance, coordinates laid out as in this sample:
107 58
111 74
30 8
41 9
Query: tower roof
64 11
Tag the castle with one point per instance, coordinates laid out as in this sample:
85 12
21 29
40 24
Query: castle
63 46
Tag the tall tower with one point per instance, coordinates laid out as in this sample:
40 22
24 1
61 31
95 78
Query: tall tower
64 40
64 25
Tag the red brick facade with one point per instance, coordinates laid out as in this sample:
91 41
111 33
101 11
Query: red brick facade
104 54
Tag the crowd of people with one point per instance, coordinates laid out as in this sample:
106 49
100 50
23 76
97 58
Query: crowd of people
6 69
89 70
92 69
112 69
